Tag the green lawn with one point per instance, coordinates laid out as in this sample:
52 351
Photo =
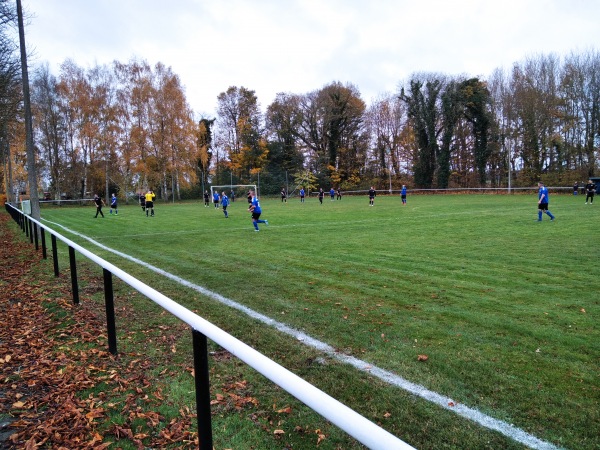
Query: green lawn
505 308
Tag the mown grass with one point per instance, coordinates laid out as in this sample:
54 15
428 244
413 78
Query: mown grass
506 308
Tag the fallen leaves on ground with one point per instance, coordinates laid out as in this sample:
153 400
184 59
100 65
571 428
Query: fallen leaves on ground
49 360
60 387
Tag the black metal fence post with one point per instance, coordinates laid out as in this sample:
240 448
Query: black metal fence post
35 236
74 284
202 382
54 254
110 312
30 230
44 251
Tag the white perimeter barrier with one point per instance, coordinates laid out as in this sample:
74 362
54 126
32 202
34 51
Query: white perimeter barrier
331 409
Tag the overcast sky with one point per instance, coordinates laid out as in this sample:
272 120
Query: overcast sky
298 46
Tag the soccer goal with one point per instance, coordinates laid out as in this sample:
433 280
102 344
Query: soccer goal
240 191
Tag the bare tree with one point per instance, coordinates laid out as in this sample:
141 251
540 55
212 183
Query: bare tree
10 92
385 119
50 128
580 95
534 86
239 132
331 124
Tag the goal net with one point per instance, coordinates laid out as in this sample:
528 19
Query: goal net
240 191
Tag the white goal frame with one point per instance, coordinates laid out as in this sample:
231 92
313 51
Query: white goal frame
228 187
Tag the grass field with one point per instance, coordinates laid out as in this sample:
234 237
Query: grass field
504 307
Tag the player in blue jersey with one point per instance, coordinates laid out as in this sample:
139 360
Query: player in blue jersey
543 200
216 199
332 194
403 195
256 211
225 204
113 204
302 193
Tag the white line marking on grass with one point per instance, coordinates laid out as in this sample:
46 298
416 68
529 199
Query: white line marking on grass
474 415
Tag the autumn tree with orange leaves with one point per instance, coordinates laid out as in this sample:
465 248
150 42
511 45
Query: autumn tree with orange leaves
108 129
240 134
127 127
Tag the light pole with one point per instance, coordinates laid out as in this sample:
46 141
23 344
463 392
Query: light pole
390 169
29 146
509 161
258 183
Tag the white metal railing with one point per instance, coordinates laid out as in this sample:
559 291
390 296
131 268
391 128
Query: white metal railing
331 409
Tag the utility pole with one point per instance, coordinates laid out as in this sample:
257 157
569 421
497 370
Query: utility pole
31 167
390 170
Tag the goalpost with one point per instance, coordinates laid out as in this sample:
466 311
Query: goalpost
239 190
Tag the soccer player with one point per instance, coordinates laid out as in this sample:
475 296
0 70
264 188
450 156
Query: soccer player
332 193
283 196
321 195
113 204
302 193
590 190
206 199
150 196
403 195
543 200
143 202
339 194
99 203
256 211
216 199
224 204
372 194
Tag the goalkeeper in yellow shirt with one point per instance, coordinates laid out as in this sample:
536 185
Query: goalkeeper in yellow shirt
150 196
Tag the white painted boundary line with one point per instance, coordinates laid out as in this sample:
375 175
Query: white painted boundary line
474 415
331 409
